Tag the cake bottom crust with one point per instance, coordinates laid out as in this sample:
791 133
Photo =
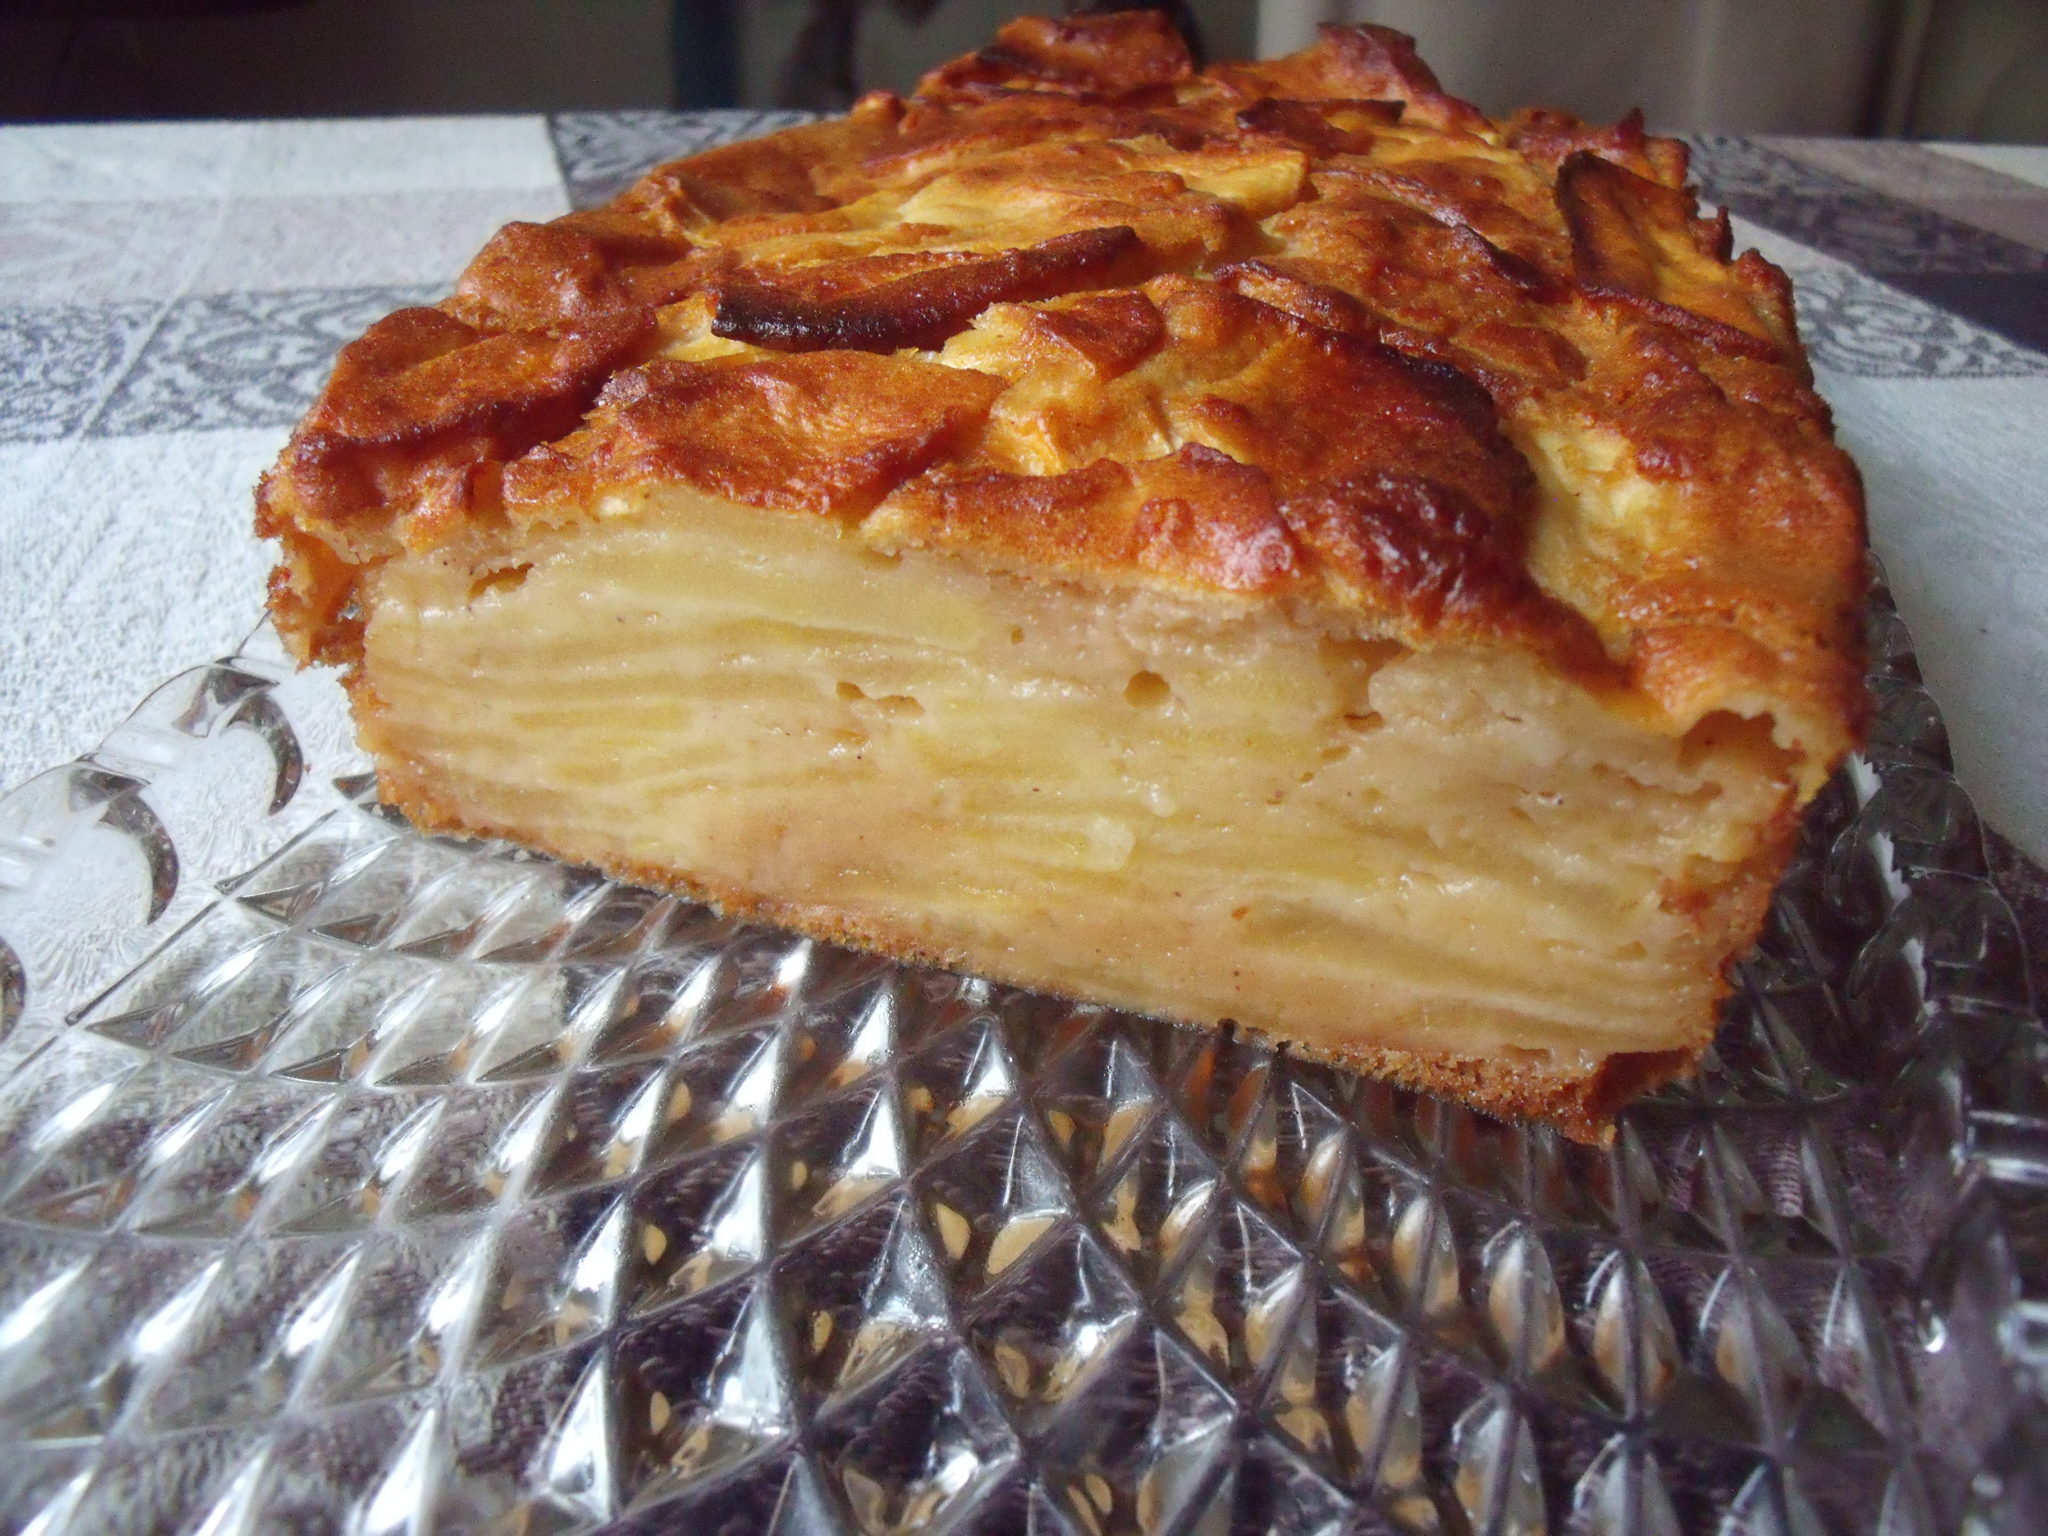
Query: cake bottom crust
1580 1099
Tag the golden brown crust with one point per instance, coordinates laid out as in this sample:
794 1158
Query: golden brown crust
1298 328
920 308
822 431
1119 55
1352 64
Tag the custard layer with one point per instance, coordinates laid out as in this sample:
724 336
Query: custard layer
1187 811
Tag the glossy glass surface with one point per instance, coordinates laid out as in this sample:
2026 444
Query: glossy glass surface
352 1179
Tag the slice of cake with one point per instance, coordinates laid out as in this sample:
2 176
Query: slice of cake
1266 544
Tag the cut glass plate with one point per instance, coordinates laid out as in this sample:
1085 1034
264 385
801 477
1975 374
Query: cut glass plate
358 1180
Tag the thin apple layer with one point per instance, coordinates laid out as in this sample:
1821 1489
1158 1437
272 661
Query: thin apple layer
1198 812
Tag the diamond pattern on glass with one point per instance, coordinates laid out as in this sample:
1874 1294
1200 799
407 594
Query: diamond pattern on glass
357 1179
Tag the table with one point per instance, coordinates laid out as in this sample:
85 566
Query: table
157 342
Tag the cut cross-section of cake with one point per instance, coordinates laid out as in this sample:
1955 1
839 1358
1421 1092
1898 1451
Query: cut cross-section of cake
1262 544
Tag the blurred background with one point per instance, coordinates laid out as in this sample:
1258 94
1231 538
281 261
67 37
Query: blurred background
1947 69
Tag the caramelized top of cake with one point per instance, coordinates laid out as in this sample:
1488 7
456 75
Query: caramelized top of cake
1307 330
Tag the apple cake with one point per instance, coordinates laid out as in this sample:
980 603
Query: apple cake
1264 543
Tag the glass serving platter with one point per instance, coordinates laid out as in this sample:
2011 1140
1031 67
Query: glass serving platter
354 1179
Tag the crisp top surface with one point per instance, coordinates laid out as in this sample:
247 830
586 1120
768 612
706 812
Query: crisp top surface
1304 330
